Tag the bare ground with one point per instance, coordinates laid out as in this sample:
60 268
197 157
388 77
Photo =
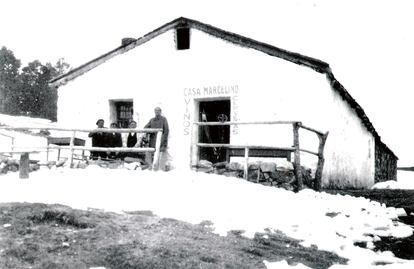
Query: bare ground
56 236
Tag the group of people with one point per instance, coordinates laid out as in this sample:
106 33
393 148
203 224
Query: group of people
111 140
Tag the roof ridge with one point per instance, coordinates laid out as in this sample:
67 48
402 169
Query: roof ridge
313 63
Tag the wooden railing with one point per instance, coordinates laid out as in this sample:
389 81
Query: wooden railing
11 140
71 147
295 148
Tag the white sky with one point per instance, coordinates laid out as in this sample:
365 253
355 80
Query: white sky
368 44
187 196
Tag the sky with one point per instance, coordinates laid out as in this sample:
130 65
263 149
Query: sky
330 222
367 43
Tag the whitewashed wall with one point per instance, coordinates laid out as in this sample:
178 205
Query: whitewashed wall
260 87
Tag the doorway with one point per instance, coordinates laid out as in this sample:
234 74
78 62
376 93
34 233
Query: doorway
214 111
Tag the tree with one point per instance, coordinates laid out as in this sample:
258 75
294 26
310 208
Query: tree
26 91
9 81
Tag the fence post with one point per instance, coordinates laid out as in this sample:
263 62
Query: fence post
321 161
246 163
24 165
155 161
12 144
71 144
298 171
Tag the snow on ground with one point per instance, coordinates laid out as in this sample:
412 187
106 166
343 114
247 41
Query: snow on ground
23 121
331 222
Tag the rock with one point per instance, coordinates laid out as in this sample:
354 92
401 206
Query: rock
283 164
254 166
282 177
220 165
205 169
204 164
233 166
82 165
34 167
116 165
253 174
60 163
231 174
133 160
133 166
268 167
287 186
12 162
307 177
4 168
13 168
219 171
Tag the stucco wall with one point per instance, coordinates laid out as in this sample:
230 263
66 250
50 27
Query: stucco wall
260 88
385 163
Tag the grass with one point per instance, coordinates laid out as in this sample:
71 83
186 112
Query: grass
56 236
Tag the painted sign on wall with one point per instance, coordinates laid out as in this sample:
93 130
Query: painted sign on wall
190 94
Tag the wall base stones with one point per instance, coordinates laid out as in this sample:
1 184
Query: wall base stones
266 173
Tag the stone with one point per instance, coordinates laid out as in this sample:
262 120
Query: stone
220 165
233 166
231 174
219 171
268 167
204 164
12 162
34 167
13 168
254 166
253 174
283 164
116 165
205 169
82 165
60 163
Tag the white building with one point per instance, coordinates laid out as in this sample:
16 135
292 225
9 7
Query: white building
191 69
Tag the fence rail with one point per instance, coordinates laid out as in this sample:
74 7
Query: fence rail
72 147
295 148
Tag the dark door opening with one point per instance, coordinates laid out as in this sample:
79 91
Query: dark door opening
213 111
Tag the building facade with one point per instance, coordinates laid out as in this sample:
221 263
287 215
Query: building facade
197 72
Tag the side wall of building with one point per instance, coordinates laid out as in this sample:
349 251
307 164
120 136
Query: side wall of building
385 163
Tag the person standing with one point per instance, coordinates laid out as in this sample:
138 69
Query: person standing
132 140
132 137
98 140
114 140
161 122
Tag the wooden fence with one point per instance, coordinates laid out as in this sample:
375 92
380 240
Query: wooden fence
72 147
294 149
11 140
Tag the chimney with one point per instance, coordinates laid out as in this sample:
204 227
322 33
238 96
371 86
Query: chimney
127 40
182 38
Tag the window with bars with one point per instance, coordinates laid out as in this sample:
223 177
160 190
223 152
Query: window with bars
124 111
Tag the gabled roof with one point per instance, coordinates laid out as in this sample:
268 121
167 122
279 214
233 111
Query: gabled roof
315 64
